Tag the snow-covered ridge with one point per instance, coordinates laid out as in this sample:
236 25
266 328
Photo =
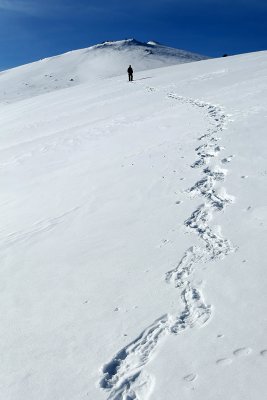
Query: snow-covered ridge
97 62
151 47
133 221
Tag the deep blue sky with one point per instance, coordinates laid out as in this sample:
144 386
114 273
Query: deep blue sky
34 29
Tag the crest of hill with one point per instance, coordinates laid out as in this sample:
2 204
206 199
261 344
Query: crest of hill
105 60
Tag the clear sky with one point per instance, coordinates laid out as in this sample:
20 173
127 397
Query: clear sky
35 29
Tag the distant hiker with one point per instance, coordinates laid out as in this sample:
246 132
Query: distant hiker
130 73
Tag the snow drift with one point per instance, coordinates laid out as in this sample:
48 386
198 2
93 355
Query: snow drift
133 228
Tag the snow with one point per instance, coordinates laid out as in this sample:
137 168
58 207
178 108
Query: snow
95 63
133 231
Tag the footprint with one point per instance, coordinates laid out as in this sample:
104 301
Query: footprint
164 242
263 353
227 159
190 377
224 361
243 351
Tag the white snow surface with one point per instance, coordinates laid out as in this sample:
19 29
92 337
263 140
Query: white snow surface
133 232
94 63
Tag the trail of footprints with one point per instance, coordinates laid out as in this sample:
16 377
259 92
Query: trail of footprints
124 377
224 362
238 353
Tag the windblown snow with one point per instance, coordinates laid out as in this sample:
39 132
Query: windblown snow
133 226
92 64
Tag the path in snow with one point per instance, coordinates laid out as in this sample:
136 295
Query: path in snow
124 376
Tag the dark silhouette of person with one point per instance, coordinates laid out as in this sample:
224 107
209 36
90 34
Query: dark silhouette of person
130 73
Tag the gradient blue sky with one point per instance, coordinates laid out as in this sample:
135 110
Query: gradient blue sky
34 29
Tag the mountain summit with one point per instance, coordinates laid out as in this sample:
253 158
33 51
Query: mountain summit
105 60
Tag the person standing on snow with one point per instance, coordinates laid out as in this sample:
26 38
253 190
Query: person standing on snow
130 73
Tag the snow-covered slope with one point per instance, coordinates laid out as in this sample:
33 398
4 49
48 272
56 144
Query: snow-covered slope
87 65
133 227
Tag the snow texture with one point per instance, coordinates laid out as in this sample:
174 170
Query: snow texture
133 222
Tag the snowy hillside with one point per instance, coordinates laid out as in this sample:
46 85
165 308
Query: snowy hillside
133 228
87 65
